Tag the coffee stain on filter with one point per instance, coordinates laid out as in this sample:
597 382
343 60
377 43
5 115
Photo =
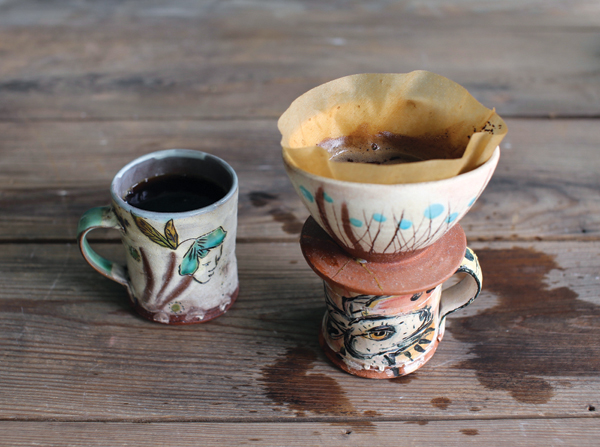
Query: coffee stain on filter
533 332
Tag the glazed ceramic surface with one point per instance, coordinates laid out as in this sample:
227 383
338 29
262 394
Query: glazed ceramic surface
386 336
382 222
181 267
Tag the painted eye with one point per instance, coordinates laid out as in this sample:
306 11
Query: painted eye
333 330
380 333
416 296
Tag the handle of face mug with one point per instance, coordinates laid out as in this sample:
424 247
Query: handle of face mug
464 293
100 217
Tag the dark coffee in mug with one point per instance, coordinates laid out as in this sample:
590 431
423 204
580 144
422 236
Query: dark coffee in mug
174 193
176 211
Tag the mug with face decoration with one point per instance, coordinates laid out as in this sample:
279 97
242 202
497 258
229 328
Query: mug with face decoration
177 214
386 319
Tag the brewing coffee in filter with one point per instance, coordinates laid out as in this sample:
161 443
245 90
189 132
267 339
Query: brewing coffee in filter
389 129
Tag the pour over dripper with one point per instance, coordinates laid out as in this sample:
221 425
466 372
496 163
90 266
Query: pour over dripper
384 238
385 222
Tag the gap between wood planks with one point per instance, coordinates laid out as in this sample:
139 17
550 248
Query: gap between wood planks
324 419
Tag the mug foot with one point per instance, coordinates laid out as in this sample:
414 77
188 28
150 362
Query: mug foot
185 318
388 372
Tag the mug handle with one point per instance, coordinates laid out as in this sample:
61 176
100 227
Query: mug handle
464 293
100 217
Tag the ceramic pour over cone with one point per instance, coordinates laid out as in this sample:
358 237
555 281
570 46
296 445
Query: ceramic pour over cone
374 207
386 222
383 231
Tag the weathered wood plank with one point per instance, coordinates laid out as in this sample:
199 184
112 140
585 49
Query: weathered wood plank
251 59
72 350
546 185
521 432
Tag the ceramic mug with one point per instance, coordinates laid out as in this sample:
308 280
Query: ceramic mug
387 336
180 266
384 222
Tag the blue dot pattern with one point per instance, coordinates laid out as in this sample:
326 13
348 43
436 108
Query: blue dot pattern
306 193
327 198
357 223
452 217
472 201
379 217
405 224
434 211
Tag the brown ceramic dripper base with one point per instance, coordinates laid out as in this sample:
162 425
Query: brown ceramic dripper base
384 319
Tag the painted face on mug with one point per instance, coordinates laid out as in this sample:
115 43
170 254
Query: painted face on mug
202 257
381 329
208 265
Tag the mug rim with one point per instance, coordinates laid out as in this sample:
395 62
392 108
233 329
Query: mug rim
492 160
173 153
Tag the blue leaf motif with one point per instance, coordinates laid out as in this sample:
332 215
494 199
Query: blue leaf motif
200 249
306 193
189 265
212 239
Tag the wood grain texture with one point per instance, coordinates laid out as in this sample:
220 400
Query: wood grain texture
130 60
87 86
546 186
521 432
72 349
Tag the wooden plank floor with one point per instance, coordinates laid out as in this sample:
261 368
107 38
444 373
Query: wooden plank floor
48 180
87 86
302 434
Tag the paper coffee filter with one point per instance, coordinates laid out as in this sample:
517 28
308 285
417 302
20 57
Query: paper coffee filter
419 104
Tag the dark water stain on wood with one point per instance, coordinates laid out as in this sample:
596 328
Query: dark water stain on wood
261 198
290 383
21 86
533 332
404 379
291 224
417 422
441 402
469 431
